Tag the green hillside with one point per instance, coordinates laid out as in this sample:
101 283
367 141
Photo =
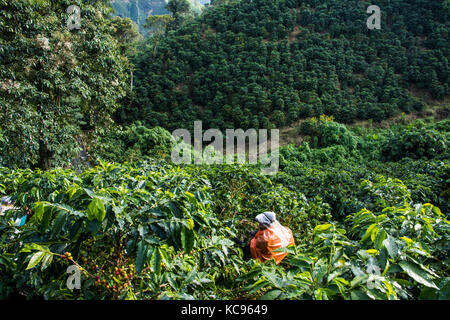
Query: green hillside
264 63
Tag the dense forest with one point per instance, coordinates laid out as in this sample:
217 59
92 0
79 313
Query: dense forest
86 117
258 64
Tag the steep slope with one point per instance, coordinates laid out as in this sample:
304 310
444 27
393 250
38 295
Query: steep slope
267 63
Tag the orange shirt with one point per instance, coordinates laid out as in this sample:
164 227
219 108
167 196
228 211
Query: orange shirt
265 241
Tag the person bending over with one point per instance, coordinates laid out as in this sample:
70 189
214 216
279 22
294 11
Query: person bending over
270 236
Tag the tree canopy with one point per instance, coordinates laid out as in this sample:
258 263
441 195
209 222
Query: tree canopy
55 81
260 64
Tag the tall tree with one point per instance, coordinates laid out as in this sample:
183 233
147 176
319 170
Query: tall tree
55 81
178 8
158 27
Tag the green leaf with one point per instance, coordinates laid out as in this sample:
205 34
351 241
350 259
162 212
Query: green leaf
172 207
187 239
90 193
258 285
374 233
324 293
322 227
33 246
271 295
415 272
39 210
368 232
301 262
273 278
171 279
141 256
190 277
337 255
155 261
407 240
252 274
46 218
191 198
96 210
46 261
319 271
357 281
372 251
35 259
58 224
391 247
381 236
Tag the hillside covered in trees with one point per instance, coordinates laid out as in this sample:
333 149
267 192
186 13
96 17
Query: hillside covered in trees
267 63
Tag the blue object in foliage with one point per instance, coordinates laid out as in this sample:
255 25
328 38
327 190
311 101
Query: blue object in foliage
22 221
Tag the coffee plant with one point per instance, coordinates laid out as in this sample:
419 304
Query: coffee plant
151 230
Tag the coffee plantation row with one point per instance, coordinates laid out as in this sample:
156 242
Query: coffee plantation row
152 230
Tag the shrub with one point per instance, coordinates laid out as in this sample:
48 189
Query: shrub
414 143
324 132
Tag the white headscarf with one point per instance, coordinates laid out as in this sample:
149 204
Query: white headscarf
266 218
